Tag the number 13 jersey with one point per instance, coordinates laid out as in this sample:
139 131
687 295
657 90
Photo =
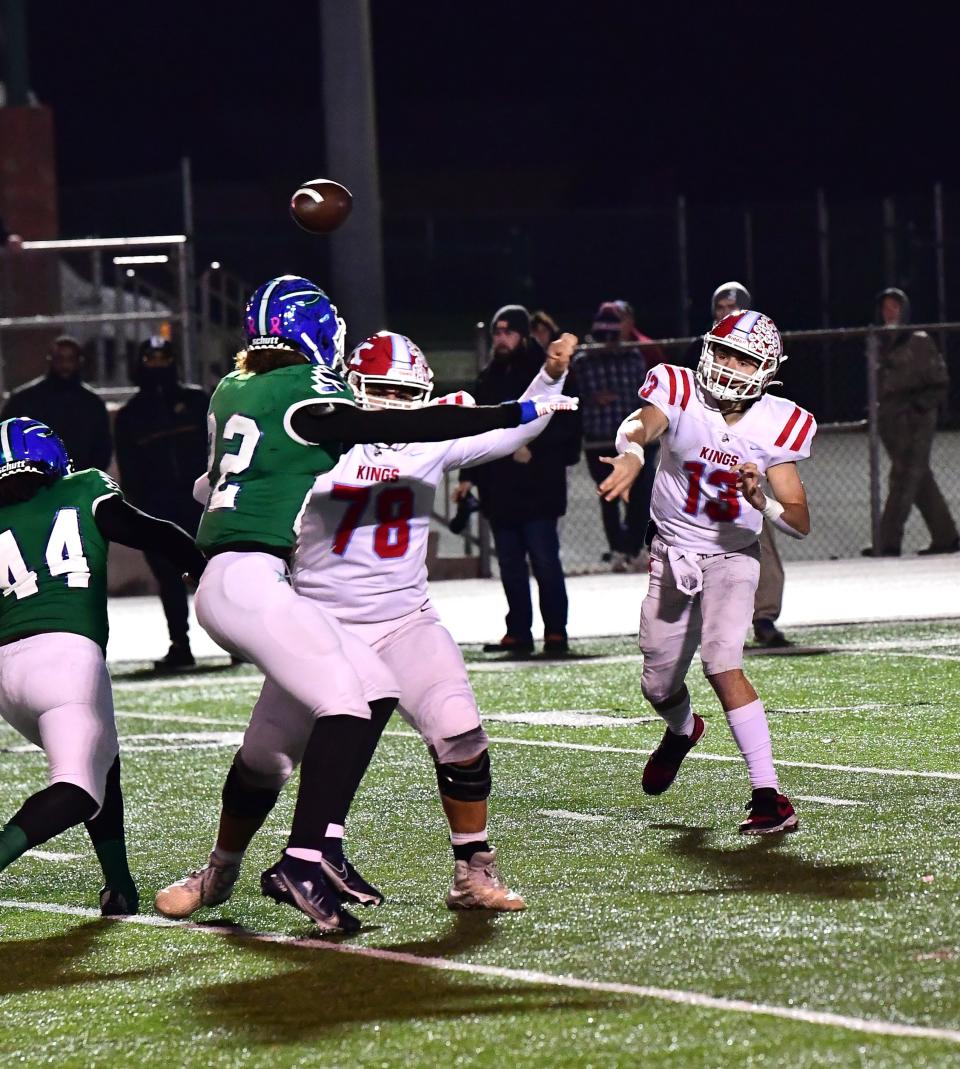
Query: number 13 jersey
695 504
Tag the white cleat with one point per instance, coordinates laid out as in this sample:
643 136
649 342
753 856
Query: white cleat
209 886
477 884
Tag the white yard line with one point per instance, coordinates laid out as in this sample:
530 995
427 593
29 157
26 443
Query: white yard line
570 718
870 1026
566 814
178 717
591 748
50 855
825 801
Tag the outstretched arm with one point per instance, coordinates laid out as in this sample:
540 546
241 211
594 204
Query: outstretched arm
119 521
639 429
325 422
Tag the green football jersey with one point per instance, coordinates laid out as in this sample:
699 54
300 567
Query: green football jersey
261 472
53 560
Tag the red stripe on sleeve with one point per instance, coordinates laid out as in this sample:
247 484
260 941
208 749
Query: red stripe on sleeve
672 376
799 440
791 423
685 375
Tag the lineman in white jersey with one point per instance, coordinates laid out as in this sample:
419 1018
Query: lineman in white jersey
722 433
362 556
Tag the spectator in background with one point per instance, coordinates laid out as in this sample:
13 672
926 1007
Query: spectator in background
524 495
161 449
543 329
727 298
63 401
607 382
913 383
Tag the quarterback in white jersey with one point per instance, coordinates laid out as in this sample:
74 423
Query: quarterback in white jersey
362 556
722 433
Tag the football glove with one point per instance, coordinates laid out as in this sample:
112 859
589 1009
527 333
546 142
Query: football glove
546 406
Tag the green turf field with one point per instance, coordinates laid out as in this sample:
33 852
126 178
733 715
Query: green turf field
655 936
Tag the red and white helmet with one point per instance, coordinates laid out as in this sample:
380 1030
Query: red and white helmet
751 334
384 361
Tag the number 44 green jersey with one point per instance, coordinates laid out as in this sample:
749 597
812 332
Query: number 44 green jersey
261 472
53 560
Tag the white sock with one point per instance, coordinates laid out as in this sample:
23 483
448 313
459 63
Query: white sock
461 838
679 717
227 857
304 853
752 735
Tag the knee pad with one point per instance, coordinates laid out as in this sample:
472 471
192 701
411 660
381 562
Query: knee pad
245 794
465 783
671 701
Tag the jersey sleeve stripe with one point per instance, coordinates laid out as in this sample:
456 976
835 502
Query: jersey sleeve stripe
672 376
791 423
799 440
685 375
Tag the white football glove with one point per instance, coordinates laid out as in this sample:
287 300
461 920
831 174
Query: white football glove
558 403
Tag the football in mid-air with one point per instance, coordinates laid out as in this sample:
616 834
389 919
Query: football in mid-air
320 205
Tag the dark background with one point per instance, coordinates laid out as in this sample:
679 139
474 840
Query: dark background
528 151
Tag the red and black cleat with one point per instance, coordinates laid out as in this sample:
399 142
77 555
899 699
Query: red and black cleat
770 813
664 763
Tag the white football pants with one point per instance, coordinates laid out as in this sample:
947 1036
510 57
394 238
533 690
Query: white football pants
55 691
246 604
673 623
436 699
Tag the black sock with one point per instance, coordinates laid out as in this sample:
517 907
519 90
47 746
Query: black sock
465 851
52 810
334 762
107 834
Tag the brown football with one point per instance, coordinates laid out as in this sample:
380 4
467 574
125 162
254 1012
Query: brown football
320 205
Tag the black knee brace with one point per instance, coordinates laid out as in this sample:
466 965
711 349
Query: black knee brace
242 799
465 783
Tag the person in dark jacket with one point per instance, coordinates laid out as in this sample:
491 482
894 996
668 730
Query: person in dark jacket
913 385
524 495
161 435
66 404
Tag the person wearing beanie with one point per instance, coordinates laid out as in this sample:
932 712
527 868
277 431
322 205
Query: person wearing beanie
913 384
606 381
524 495
66 404
161 435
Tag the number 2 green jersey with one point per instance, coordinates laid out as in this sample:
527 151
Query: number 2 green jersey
53 560
261 472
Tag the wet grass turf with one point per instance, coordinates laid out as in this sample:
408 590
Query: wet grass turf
855 915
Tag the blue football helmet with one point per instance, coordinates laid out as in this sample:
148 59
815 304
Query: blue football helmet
29 445
293 312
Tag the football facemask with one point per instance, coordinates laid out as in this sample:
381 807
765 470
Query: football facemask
749 334
389 371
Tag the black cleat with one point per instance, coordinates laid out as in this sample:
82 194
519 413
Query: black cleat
770 812
349 885
664 763
303 885
119 903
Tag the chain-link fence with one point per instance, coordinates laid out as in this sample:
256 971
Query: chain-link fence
846 477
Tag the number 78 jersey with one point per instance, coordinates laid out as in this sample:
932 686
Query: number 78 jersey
695 504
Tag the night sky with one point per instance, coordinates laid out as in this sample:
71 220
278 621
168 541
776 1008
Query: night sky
493 110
